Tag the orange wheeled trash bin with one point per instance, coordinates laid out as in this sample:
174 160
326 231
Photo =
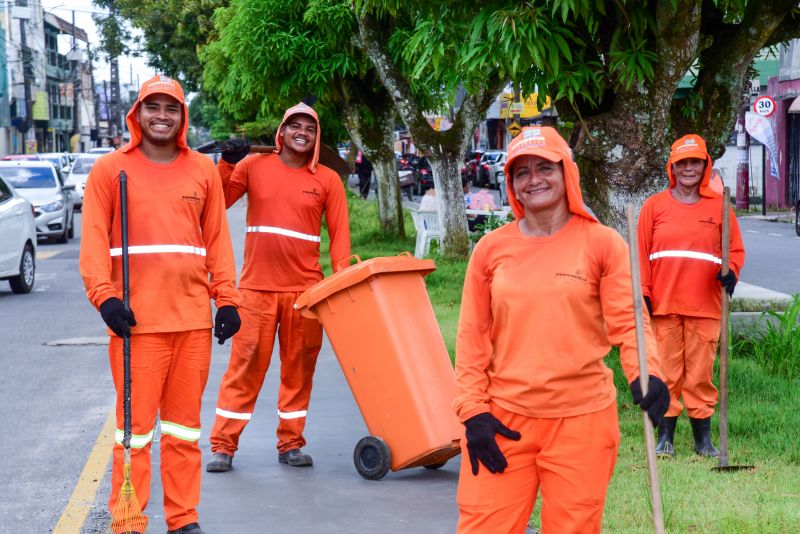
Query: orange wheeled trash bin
381 324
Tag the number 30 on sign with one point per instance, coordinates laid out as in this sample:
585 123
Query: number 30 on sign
764 106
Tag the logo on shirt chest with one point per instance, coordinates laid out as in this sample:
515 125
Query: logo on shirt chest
192 198
709 221
576 276
313 193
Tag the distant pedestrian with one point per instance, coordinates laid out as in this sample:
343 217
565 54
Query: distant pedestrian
680 243
364 172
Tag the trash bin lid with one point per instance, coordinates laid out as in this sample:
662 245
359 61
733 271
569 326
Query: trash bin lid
360 271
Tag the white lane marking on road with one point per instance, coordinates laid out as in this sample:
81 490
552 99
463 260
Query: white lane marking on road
45 276
41 289
45 254
79 341
777 235
752 231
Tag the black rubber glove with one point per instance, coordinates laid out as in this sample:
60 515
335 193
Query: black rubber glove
118 319
656 402
481 443
649 305
234 150
728 281
226 323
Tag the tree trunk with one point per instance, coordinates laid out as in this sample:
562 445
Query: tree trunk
377 144
450 202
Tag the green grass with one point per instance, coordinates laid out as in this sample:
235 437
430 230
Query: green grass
763 430
774 344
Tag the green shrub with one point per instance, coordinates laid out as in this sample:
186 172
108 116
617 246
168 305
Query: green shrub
775 342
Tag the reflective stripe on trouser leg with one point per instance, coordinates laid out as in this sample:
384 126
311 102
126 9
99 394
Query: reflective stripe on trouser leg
570 459
300 340
149 369
701 337
181 460
669 332
248 364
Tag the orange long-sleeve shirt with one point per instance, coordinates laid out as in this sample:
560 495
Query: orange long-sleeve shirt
179 244
680 250
284 219
539 314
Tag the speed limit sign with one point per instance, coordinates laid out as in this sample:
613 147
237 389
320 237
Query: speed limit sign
764 106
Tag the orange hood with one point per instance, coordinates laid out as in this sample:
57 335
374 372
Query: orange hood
545 142
158 84
296 110
692 146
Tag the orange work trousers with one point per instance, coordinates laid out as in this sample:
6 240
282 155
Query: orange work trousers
687 347
571 459
299 338
168 375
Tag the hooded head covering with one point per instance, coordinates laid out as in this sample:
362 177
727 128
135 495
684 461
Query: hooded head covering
158 84
692 146
297 110
545 142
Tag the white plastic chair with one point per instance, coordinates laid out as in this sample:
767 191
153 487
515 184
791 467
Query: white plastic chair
427 225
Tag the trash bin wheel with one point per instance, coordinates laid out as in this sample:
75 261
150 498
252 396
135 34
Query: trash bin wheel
435 466
372 458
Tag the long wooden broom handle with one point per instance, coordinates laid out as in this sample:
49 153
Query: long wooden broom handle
638 315
723 334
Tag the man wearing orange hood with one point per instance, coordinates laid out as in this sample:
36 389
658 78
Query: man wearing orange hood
680 245
180 254
545 298
287 193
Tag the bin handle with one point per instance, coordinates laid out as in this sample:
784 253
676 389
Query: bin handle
406 253
346 261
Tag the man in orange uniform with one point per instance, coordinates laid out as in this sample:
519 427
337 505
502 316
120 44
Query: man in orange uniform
545 298
180 254
287 194
680 244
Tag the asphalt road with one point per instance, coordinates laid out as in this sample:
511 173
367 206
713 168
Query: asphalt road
54 400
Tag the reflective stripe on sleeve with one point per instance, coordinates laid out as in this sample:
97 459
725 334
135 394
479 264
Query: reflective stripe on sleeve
685 254
284 232
292 415
160 249
234 415
179 431
138 441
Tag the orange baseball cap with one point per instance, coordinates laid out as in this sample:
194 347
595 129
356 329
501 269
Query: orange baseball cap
301 109
688 146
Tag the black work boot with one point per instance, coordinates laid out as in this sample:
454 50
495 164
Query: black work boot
220 463
295 458
666 435
701 428
191 528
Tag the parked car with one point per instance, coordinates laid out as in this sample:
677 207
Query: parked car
78 175
470 168
101 150
490 166
22 157
41 184
17 240
59 159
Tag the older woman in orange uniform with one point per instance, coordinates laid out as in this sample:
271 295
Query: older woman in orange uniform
680 243
545 298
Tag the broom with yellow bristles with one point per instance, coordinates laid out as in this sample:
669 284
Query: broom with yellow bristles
127 517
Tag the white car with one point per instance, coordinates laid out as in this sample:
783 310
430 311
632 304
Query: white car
17 240
79 173
489 167
40 183
59 159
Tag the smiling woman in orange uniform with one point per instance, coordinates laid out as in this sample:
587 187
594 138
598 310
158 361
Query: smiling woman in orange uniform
680 243
545 298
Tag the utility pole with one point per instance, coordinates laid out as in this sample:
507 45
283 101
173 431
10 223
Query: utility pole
27 73
743 166
115 103
95 99
76 87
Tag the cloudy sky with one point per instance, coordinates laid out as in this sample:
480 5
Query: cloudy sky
83 19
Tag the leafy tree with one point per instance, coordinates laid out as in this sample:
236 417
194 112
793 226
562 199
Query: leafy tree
612 69
414 48
269 54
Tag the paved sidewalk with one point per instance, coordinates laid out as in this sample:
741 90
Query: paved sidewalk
261 496
745 291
